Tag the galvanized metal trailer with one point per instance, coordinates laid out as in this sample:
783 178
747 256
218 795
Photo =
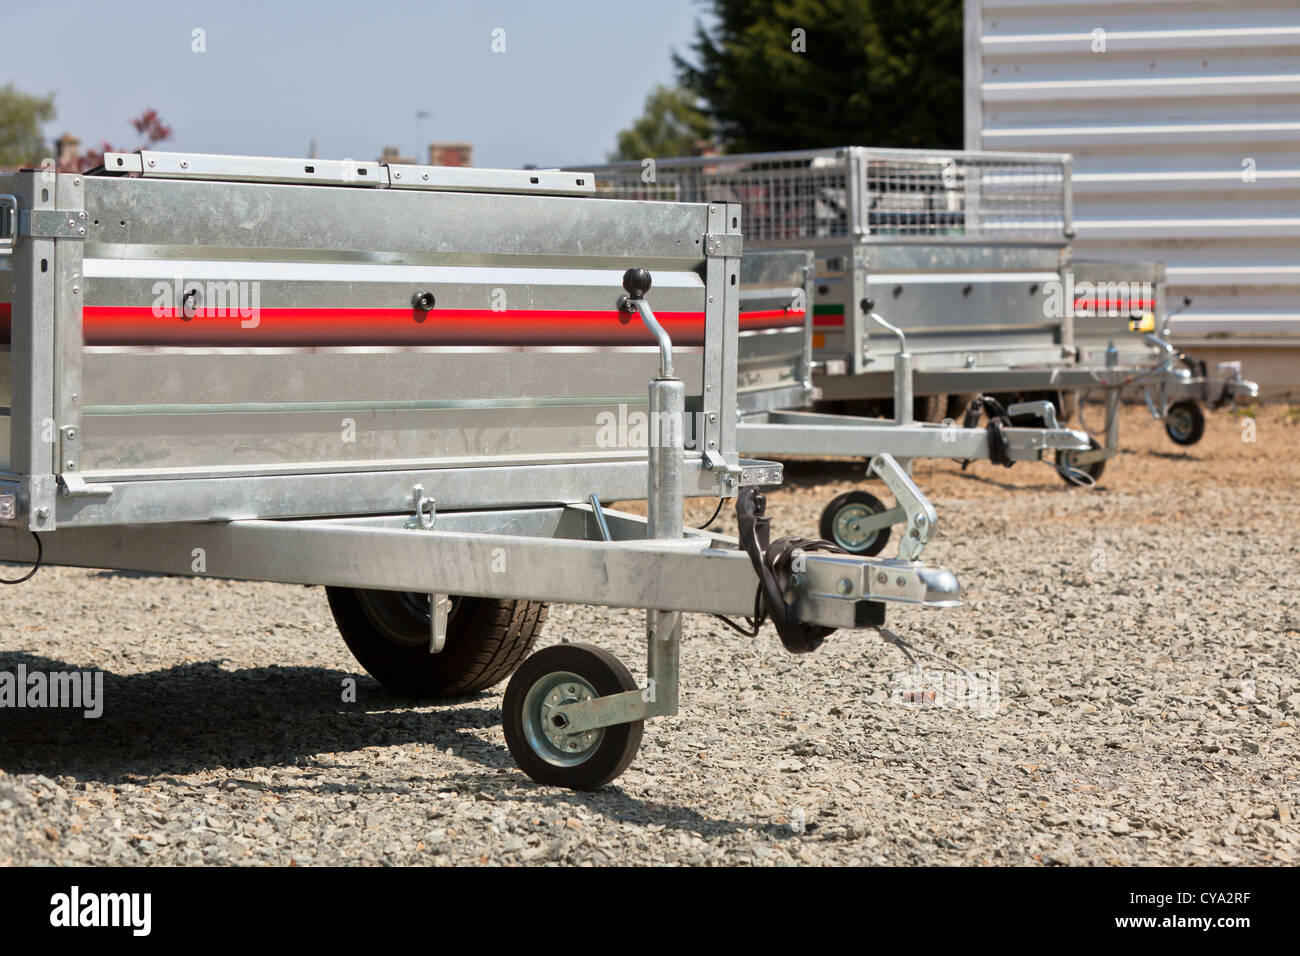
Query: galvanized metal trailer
775 381
1121 298
967 254
398 382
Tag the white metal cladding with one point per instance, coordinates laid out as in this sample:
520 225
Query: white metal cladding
905 195
1185 133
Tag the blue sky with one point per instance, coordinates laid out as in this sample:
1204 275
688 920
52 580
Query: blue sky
351 75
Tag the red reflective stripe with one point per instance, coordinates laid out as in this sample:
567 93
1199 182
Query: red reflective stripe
140 325
1115 303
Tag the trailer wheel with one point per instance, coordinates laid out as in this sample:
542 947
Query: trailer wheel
929 408
563 674
958 403
842 523
1185 423
388 633
1068 471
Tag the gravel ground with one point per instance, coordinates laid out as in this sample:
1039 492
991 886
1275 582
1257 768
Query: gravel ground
1136 644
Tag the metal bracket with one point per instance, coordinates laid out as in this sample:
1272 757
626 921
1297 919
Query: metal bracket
426 509
922 520
604 711
722 246
756 473
439 612
1043 410
8 220
74 486
69 448
761 473
151 163
49 224
333 172
426 515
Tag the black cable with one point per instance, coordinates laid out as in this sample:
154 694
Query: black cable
755 623
752 631
999 420
40 552
716 511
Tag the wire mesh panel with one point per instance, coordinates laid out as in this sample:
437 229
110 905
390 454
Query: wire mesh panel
906 194
956 247
785 195
964 196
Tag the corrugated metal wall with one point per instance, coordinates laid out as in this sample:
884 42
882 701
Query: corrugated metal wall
1186 137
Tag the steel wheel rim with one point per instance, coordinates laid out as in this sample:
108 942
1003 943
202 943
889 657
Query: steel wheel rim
848 535
402 617
1075 475
547 693
1179 422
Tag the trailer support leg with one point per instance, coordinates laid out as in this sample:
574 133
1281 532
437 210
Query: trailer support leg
1112 422
1110 447
665 520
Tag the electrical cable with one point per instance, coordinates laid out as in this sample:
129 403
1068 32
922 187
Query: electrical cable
716 511
40 553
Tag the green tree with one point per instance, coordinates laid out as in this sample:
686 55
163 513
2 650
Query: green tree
670 126
801 74
21 116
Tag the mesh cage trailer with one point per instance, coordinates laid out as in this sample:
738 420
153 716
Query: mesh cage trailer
962 262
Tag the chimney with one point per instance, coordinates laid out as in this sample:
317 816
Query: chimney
451 154
393 155
68 153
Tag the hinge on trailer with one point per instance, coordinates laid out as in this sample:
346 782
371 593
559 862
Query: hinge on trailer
74 486
714 460
71 484
69 448
722 246
51 224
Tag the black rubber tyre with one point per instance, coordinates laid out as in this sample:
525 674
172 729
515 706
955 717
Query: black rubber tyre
1067 405
925 408
1094 469
1185 423
929 408
958 403
388 633
562 674
836 524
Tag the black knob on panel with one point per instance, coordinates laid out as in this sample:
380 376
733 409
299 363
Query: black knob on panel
636 282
